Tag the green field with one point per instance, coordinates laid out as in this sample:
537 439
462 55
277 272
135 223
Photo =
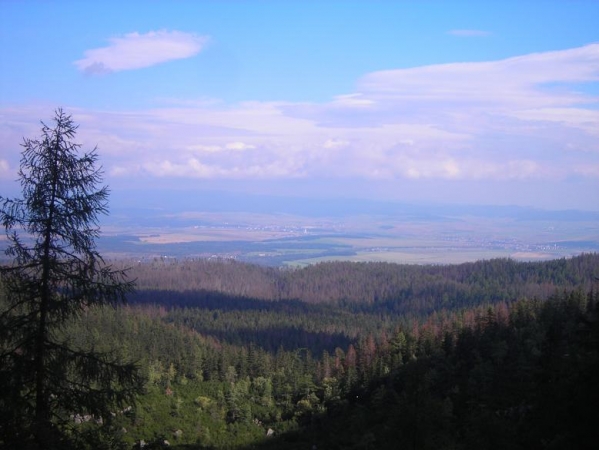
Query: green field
294 240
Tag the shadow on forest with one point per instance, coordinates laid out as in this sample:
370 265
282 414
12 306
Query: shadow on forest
271 339
209 319
219 301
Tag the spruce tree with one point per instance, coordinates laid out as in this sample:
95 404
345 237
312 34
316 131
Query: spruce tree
56 274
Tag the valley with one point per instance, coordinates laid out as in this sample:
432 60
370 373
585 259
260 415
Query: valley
285 239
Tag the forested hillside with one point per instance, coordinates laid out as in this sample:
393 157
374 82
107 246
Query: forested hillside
490 355
383 287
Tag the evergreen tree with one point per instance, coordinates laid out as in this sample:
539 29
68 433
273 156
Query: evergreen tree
55 275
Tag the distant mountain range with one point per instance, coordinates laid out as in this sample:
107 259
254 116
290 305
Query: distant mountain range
157 203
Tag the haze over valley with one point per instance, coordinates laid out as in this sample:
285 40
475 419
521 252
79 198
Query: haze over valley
296 231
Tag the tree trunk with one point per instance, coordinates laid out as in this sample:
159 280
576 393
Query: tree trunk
42 402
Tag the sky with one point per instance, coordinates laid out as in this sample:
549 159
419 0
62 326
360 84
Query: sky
428 102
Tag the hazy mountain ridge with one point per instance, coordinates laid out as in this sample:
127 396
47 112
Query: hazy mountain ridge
385 287
151 203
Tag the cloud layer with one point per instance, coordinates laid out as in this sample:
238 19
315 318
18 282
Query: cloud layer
529 118
136 51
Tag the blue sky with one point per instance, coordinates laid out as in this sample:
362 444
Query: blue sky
434 102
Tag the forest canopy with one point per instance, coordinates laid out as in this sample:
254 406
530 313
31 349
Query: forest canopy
506 360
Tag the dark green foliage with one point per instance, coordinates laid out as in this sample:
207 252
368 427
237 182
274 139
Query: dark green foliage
525 381
516 374
55 275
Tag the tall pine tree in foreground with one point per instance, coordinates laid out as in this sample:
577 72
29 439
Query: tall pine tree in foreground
55 275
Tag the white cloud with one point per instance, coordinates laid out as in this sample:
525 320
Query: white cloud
335 143
117 171
591 171
239 146
353 100
204 148
136 51
530 81
190 168
5 170
585 119
194 168
522 169
445 168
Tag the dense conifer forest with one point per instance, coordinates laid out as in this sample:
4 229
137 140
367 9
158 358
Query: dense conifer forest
493 354
489 355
